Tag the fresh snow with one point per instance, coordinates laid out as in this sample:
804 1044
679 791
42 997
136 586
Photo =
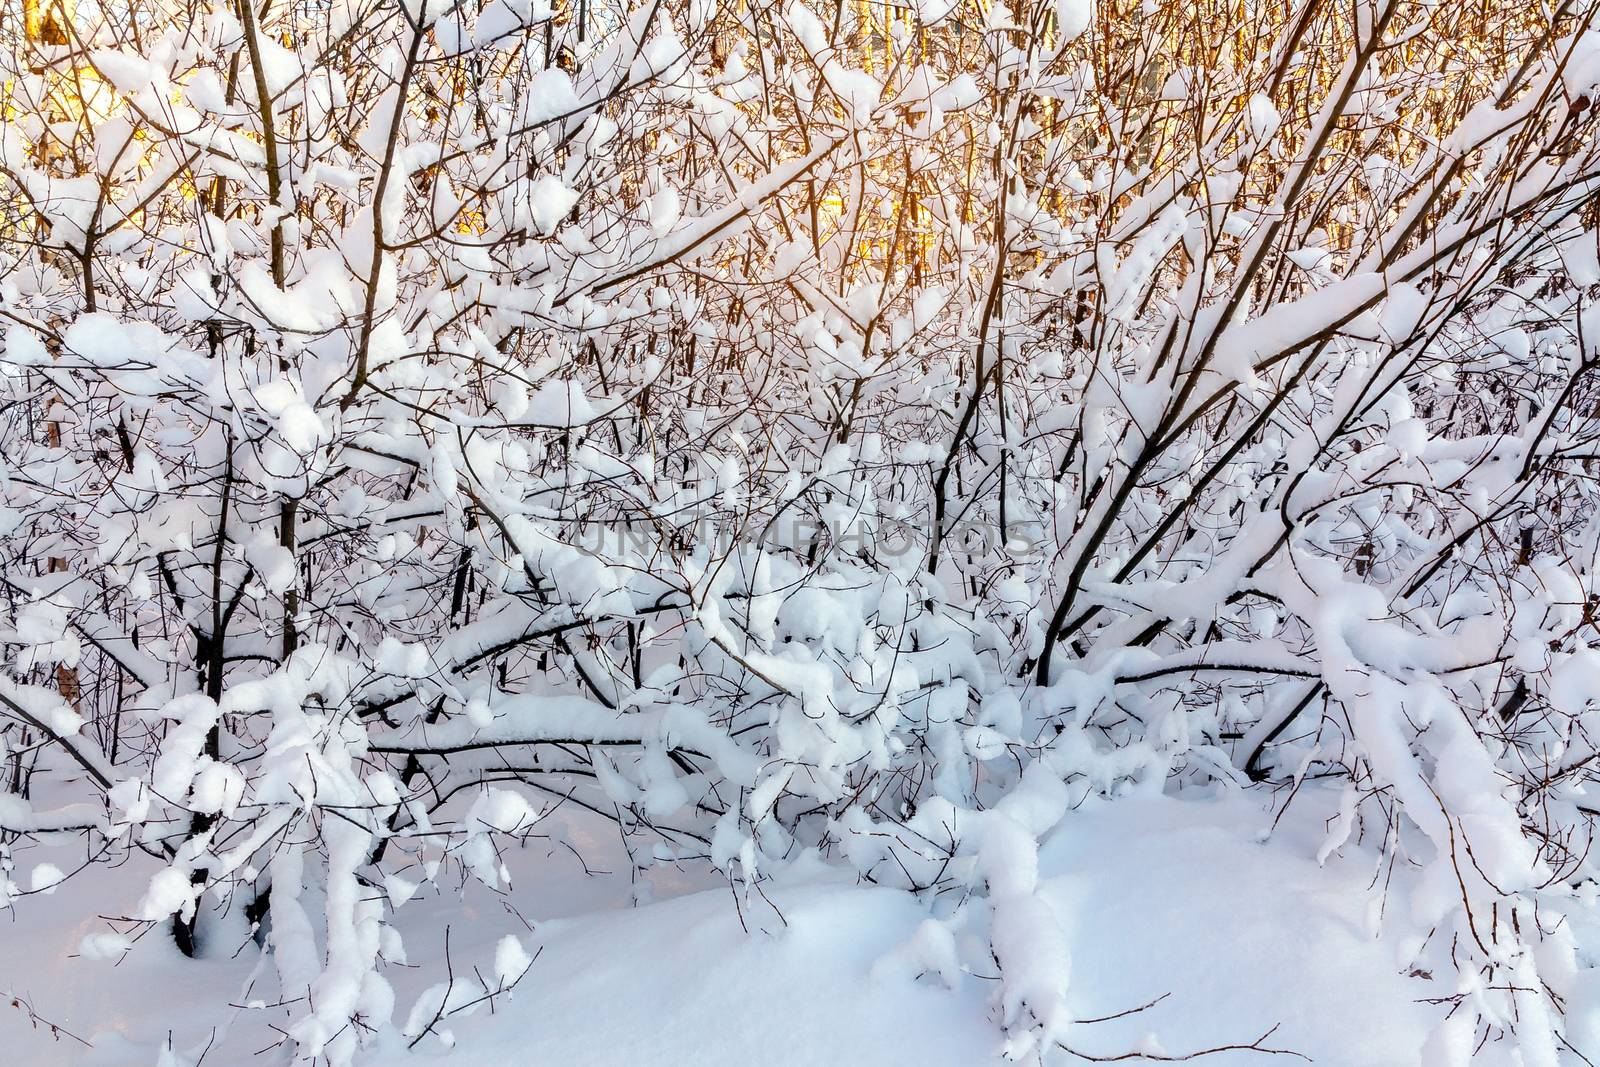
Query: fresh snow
705 532
1187 900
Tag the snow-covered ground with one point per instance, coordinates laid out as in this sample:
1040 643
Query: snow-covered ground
1186 900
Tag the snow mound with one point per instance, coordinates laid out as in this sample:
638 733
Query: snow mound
1242 934
1188 901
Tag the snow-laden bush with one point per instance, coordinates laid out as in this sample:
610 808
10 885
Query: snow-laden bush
800 434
